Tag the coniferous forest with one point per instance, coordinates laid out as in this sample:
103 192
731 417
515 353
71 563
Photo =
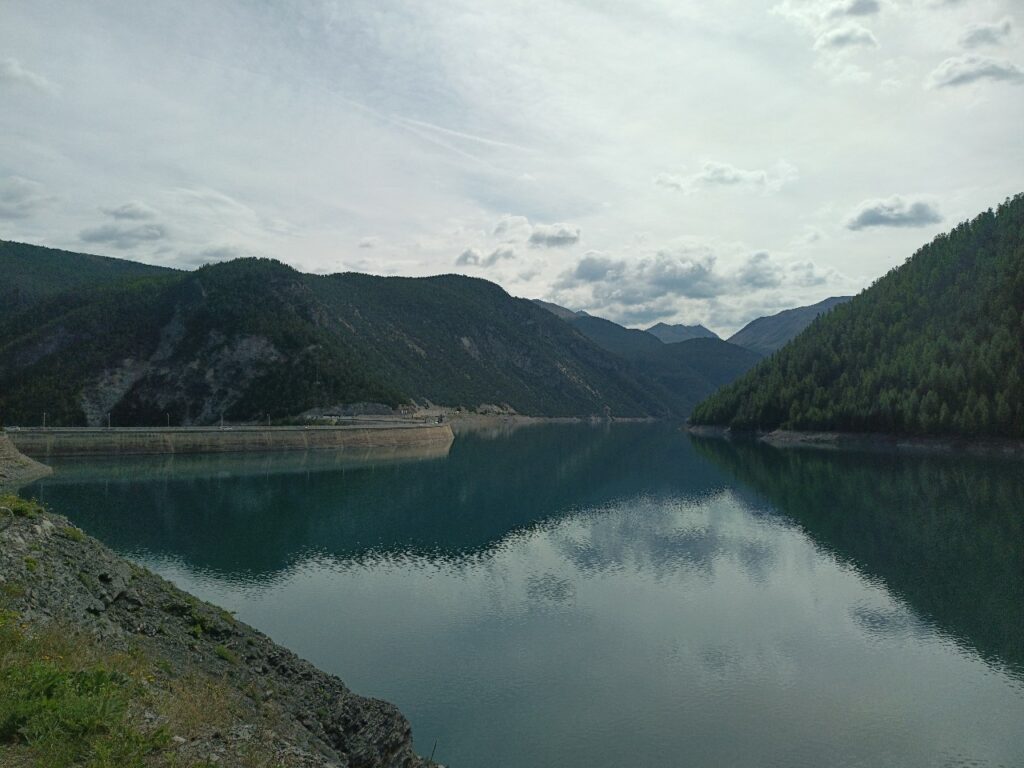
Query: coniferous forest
934 347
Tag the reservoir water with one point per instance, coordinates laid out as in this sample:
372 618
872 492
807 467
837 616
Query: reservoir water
595 595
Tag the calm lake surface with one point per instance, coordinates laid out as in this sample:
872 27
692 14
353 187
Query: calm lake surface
614 595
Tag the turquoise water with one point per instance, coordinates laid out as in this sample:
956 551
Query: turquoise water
614 596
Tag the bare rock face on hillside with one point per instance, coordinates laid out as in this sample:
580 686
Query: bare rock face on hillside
53 574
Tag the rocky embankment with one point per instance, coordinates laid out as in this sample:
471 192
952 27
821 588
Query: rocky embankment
253 702
15 467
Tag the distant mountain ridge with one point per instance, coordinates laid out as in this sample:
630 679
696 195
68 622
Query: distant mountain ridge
670 334
767 334
683 372
932 348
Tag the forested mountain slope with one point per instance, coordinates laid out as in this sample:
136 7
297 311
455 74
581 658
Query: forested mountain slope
31 273
767 334
936 346
252 339
682 373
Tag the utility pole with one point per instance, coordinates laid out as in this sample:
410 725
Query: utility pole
44 419
108 421
168 420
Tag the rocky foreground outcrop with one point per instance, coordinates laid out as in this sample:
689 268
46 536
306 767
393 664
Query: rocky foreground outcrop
264 698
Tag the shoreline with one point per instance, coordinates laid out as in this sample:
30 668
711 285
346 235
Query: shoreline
98 441
867 441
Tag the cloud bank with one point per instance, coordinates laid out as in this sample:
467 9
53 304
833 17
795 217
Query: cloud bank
21 198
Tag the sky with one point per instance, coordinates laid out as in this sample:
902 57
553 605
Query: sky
646 161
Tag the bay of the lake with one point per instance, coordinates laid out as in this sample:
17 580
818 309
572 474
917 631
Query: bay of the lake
613 595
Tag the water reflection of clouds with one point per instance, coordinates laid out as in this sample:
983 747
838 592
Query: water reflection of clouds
665 537
549 588
889 622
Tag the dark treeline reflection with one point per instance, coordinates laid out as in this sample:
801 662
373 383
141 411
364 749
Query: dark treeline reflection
944 533
254 520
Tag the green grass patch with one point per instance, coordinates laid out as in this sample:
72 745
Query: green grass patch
31 564
65 711
20 507
70 532
226 653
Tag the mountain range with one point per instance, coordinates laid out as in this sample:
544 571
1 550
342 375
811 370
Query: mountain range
763 335
84 338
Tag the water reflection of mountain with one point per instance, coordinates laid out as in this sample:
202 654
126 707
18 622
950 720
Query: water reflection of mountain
252 522
944 533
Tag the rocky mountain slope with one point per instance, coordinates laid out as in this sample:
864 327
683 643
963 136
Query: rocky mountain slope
184 683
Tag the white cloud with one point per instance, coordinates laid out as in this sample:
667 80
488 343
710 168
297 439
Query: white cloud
848 35
369 242
553 235
512 228
131 210
977 35
854 8
967 69
895 211
474 258
716 174
13 73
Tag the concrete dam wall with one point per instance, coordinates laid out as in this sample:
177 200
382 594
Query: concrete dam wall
43 443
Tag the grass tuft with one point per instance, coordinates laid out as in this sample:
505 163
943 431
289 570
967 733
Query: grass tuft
69 531
20 507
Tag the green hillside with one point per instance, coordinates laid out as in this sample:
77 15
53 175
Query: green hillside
252 339
32 273
682 373
933 347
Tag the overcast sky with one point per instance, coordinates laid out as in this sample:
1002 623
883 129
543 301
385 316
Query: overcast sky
644 160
